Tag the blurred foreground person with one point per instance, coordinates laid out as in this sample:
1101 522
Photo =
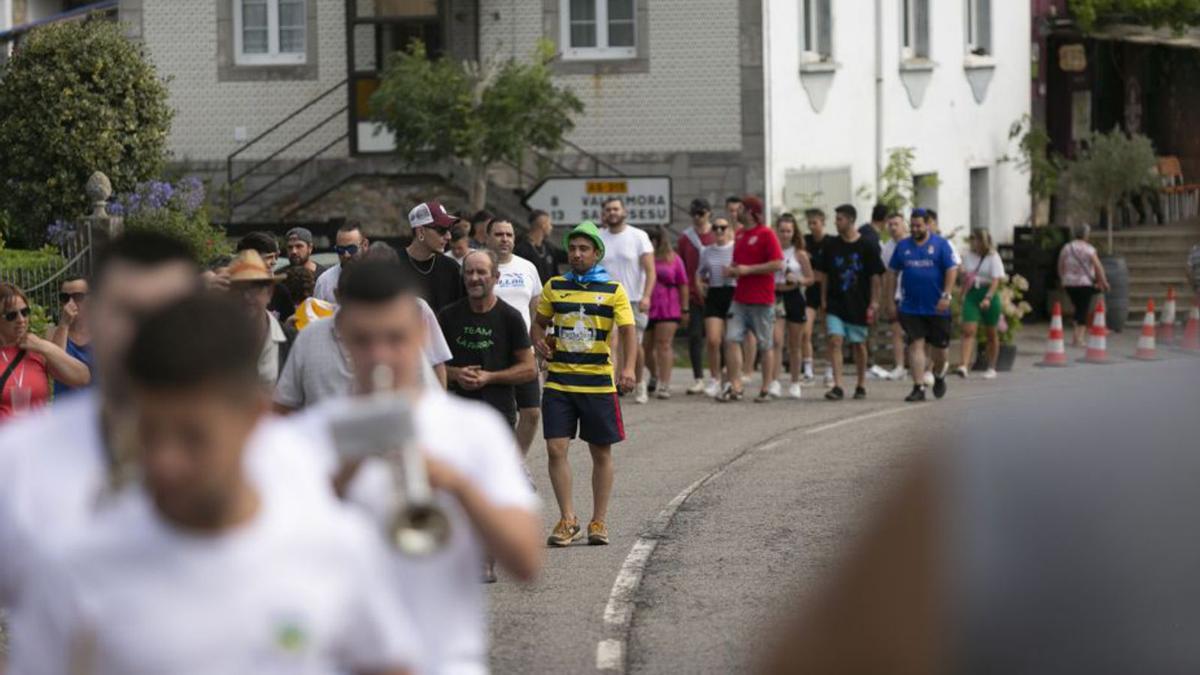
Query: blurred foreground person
1060 544
55 467
473 464
207 569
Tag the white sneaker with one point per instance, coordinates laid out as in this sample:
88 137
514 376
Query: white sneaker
712 388
878 373
898 374
961 371
663 392
794 391
775 390
696 388
808 372
989 374
643 393
929 378
828 378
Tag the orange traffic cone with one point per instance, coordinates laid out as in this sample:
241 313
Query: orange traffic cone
1191 332
1056 351
1166 327
1097 344
1147 349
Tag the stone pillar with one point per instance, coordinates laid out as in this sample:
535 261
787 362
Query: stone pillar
100 226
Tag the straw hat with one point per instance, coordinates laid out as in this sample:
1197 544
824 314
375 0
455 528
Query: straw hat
248 266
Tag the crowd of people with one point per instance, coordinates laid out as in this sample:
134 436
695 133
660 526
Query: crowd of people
201 472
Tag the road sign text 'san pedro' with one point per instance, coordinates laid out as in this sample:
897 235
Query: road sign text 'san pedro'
571 200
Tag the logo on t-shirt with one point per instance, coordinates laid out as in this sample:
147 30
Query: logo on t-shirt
753 240
578 332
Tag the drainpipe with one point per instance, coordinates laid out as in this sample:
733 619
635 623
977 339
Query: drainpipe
878 97
768 179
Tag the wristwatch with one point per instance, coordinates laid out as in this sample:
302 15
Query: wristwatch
945 296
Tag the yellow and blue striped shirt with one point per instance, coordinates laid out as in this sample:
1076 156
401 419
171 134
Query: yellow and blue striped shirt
584 317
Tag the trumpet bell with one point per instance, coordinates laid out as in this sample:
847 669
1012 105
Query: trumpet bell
420 530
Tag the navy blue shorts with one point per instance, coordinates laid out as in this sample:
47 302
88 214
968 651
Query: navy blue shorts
528 395
596 417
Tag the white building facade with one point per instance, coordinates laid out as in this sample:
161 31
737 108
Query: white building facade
848 81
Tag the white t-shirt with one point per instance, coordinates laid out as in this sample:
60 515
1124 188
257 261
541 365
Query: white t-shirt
303 587
790 266
981 271
442 590
54 473
327 283
519 284
623 259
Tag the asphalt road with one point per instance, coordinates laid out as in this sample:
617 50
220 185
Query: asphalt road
723 515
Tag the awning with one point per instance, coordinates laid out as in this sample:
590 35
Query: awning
77 13
1189 39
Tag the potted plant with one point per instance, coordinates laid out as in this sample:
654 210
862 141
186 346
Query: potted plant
1013 310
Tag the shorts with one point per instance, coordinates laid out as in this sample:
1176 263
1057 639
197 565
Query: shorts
654 322
791 305
928 327
758 319
1081 299
716 303
528 395
972 311
812 294
596 417
853 333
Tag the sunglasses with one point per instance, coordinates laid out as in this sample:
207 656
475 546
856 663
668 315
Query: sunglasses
64 298
346 250
441 231
12 316
720 228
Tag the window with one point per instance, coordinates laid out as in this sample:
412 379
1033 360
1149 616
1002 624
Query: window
269 32
981 207
816 35
598 29
979 27
915 29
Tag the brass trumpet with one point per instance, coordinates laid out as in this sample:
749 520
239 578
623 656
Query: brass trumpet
381 425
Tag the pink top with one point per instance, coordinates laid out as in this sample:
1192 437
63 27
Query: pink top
29 380
1075 264
664 301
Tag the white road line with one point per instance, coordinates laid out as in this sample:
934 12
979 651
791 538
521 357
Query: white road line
858 418
610 655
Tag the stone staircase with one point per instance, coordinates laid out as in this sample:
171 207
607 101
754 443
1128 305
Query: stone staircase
1157 259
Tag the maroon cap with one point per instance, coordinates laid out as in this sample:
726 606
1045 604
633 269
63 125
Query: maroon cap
430 213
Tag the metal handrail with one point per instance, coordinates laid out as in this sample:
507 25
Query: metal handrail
293 142
290 171
289 118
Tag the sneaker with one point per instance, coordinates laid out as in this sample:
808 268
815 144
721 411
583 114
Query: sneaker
794 391
643 393
808 377
653 386
696 388
763 397
565 532
878 373
807 371
989 374
939 387
728 394
916 395
775 390
859 393
663 393
929 378
828 377
712 389
597 533
897 374
835 394
961 371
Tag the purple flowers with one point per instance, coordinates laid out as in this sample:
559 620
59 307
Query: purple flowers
187 197
60 232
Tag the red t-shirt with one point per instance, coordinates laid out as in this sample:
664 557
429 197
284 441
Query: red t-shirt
755 246
691 259
30 374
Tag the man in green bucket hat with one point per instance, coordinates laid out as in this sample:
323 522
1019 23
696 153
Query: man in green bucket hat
584 306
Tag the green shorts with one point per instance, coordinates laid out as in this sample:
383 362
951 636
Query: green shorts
973 313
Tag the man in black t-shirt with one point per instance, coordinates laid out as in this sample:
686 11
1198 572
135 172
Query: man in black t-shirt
853 272
488 339
537 249
438 278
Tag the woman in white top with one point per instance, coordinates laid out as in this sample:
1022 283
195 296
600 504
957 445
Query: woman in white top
1082 275
717 291
982 272
790 307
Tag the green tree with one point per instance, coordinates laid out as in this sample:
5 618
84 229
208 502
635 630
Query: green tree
76 98
1109 169
480 113
1178 14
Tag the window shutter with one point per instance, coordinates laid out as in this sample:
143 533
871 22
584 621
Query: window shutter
984 22
825 28
922 21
